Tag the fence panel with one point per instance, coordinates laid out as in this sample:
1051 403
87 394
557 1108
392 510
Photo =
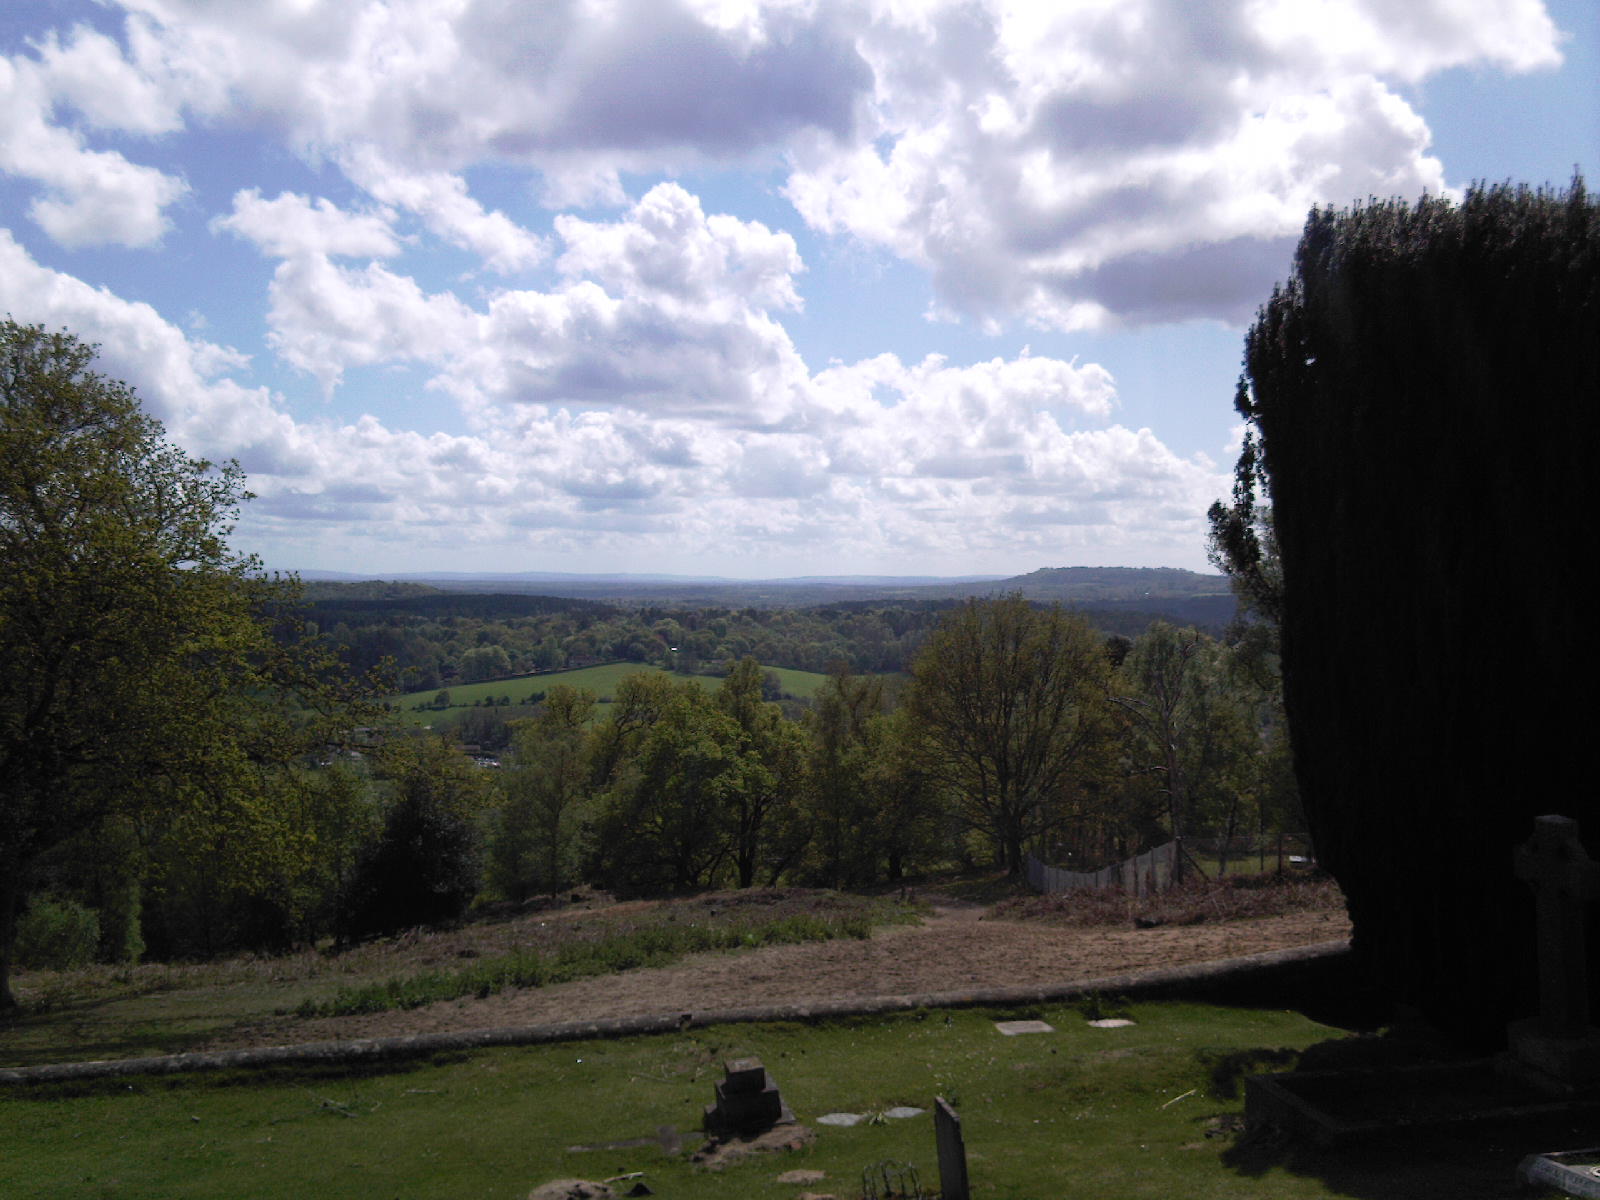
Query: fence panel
1140 875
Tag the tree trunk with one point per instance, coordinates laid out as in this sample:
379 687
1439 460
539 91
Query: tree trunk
10 902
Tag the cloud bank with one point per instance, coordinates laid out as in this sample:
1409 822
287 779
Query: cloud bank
614 346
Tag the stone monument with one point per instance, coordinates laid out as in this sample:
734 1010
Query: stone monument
747 1102
1559 1044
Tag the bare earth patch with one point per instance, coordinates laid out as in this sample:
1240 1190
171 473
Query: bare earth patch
956 948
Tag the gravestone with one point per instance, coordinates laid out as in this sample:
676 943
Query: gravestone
952 1151
1559 1043
747 1102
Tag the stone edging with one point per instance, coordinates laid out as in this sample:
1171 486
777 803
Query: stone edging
1196 978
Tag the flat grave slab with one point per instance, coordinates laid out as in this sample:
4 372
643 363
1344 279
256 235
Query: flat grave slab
1014 1028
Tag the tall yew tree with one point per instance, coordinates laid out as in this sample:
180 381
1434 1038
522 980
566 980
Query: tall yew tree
140 672
1424 390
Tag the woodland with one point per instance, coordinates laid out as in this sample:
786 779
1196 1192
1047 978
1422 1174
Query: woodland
194 761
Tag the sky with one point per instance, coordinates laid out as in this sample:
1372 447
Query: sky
728 287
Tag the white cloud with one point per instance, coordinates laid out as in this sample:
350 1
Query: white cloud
1147 160
1074 166
914 464
1078 166
92 197
290 225
326 318
89 72
441 201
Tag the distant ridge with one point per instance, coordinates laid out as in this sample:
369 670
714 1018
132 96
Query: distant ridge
1116 597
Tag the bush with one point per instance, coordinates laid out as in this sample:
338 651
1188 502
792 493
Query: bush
55 935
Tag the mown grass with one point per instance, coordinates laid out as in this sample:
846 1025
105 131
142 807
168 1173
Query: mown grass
1141 1111
652 947
601 681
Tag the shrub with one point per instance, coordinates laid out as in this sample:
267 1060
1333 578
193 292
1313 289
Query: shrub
56 935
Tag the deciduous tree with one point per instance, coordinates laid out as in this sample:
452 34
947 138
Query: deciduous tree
1013 703
141 668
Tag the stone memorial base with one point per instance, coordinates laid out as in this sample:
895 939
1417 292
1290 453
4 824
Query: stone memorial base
1567 1063
1575 1172
747 1101
1333 1108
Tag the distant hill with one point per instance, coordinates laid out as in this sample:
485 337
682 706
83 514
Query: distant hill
1086 584
1120 599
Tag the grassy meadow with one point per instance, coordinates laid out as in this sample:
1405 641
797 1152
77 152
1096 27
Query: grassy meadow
601 681
1146 1110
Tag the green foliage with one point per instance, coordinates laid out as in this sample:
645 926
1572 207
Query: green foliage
426 866
1421 396
669 822
542 820
763 809
1011 701
149 670
1193 734
57 935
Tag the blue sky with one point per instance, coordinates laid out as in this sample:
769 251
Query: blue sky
726 287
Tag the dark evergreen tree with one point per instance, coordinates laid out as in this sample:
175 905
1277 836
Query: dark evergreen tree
1424 390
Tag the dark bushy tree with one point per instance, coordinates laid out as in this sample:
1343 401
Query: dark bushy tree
427 864
1425 389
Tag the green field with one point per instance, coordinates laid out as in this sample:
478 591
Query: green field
1081 1112
602 681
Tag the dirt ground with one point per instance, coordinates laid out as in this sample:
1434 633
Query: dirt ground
955 948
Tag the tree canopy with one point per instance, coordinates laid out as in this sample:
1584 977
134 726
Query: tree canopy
1422 398
1013 700
142 671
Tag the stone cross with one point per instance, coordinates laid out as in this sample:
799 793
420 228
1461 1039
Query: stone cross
952 1151
1565 880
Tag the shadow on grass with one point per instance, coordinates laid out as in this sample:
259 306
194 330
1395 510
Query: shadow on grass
291 1074
1476 1162
85 1031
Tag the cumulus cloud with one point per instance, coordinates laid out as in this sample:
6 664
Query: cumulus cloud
915 463
1142 161
627 381
289 226
91 197
441 201
1062 164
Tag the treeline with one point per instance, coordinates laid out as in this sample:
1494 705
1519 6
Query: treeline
436 641
1020 729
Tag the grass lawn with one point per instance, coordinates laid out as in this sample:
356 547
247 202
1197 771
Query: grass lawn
1088 1112
602 681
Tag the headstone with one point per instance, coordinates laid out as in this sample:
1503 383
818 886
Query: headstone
747 1100
952 1151
1560 1042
